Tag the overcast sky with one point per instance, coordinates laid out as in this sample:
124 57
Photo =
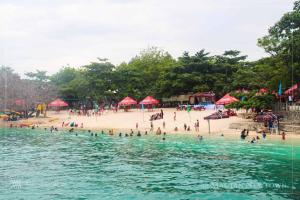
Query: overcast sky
49 34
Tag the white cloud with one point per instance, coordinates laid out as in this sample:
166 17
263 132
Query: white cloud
49 34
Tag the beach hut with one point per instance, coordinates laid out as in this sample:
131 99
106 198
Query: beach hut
127 102
203 98
227 99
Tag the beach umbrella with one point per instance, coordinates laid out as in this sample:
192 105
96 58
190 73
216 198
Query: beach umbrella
127 101
227 99
58 103
149 100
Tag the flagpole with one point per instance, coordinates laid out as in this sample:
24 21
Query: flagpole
208 121
143 109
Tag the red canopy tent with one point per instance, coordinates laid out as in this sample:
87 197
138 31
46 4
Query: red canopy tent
58 103
149 100
19 102
292 90
127 101
264 90
227 99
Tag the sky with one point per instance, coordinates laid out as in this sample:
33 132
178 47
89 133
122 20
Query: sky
47 35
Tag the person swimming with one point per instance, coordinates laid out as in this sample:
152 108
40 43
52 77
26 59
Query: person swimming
131 132
102 132
139 134
126 135
200 137
76 134
71 130
120 134
164 138
96 135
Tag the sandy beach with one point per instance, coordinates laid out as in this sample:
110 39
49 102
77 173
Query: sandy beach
124 121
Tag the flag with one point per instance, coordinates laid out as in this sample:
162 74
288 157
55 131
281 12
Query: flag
188 108
143 107
280 89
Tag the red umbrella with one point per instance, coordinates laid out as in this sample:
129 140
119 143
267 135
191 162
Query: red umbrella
227 99
58 103
149 100
127 101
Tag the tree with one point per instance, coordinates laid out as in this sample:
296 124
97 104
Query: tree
283 42
39 75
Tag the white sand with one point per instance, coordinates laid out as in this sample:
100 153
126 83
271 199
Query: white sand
124 121
128 120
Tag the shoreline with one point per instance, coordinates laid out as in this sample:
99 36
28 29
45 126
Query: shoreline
125 121
232 135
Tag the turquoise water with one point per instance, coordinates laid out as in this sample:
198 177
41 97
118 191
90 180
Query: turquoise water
35 164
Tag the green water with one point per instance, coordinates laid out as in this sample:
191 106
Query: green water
35 164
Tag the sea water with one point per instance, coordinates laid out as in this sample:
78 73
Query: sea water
37 164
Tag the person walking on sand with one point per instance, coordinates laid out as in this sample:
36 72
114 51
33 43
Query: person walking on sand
137 126
164 124
283 135
151 126
174 116
197 126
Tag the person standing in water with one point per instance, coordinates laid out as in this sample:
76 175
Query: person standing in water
264 134
158 132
